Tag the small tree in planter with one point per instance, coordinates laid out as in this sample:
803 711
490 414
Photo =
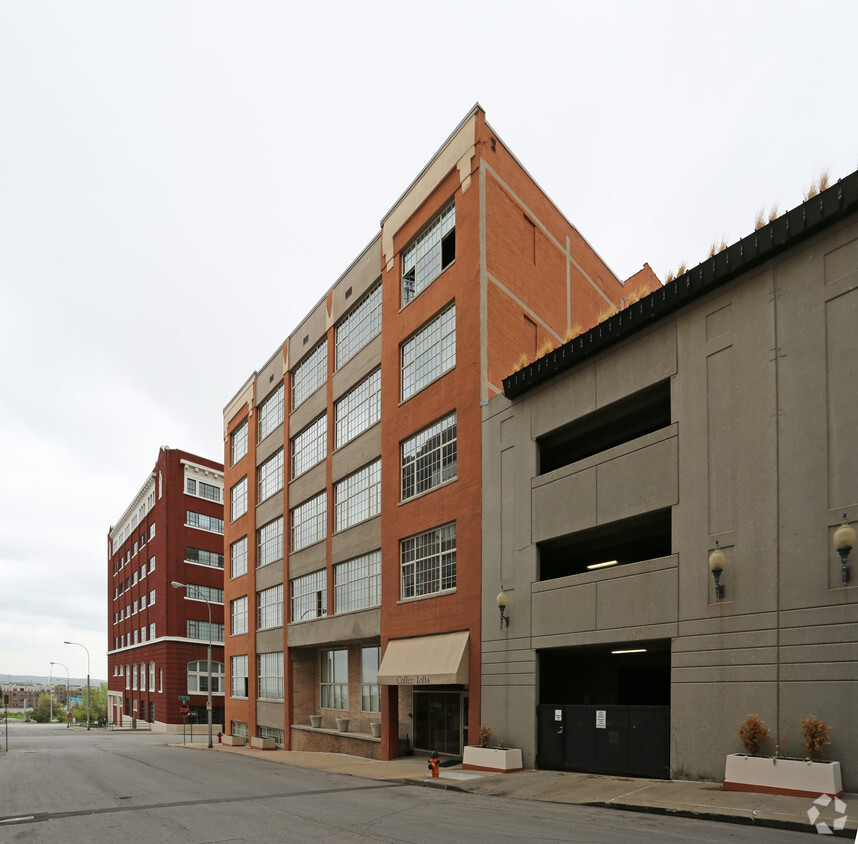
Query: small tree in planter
753 733
815 735
486 733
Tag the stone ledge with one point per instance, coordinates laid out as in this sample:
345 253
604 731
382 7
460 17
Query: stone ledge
327 731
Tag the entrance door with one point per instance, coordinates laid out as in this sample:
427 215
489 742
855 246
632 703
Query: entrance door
438 721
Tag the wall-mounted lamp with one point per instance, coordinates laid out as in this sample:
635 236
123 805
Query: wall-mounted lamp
716 566
844 539
502 602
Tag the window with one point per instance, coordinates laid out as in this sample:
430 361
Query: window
134 677
191 487
142 676
238 442
200 520
143 601
310 374
151 531
198 677
310 522
429 562
134 554
271 413
272 733
309 596
196 592
238 616
134 604
151 630
134 633
151 597
142 539
151 676
270 675
358 497
357 583
269 607
151 564
202 558
238 499
133 578
143 633
429 458
209 491
143 571
335 680
270 476
239 728
269 541
310 446
358 410
238 557
429 353
359 326
127 676
205 630
429 254
370 691
238 677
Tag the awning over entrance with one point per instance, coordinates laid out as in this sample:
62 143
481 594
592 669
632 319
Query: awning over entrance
426 661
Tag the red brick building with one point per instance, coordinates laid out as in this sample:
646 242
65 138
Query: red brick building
353 571
171 531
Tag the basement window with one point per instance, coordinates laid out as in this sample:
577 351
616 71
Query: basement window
429 254
620 422
632 540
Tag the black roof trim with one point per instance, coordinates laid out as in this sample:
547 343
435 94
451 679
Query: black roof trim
788 230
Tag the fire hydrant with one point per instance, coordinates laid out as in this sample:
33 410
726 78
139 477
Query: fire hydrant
219 737
434 764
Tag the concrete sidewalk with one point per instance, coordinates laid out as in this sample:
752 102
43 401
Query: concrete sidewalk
703 800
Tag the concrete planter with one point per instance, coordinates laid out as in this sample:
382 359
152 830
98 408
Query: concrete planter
500 760
793 777
315 721
262 743
343 724
375 729
234 741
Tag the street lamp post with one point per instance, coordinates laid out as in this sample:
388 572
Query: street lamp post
68 683
176 585
51 689
87 677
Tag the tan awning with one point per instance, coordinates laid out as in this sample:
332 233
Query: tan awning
426 661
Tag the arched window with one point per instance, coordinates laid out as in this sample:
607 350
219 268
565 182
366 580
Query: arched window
198 677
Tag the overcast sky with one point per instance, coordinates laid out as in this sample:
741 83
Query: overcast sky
180 182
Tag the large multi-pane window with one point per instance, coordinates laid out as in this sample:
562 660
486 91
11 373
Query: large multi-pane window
238 677
238 499
335 680
240 728
209 491
198 677
357 583
269 542
271 413
310 446
238 557
270 676
310 522
272 733
309 596
238 615
204 630
429 254
310 374
358 497
359 326
269 607
270 476
198 556
358 409
429 458
429 353
238 442
199 592
370 690
428 562
204 522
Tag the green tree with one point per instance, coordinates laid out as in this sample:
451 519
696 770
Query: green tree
97 704
42 713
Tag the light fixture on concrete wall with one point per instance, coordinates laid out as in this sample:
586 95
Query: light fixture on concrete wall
844 539
716 566
502 602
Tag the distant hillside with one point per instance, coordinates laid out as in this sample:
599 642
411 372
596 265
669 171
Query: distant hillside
42 679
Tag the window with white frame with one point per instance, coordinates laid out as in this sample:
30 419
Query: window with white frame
151 597
270 676
270 477
357 583
134 677
359 326
198 592
134 605
205 630
204 522
127 677
213 559
310 374
428 562
151 629
429 254
309 596
238 442
238 499
209 491
143 601
240 728
238 616
151 530
429 458
269 542
272 733
198 677
238 557
310 522
238 676
134 553
142 676
359 409
429 353
370 690
142 571
143 633
358 497
310 446
152 676
334 687
134 634
151 564
269 607
271 413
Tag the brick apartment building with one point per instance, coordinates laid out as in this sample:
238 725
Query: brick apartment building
353 517
171 531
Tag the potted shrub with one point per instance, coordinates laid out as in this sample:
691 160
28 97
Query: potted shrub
486 757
